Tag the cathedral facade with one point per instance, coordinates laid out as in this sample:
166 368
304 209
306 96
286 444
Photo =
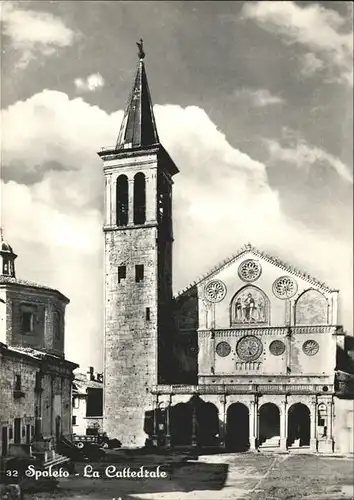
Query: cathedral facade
250 356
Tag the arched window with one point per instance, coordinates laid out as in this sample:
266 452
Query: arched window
122 200
250 305
139 198
311 309
322 420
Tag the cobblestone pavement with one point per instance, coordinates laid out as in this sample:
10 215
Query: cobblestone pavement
219 477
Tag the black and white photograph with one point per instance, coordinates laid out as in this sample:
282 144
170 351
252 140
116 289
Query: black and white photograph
176 250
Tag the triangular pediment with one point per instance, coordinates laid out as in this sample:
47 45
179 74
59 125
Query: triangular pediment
273 260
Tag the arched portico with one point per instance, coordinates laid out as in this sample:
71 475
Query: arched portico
237 427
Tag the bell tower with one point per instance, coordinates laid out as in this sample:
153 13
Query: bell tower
138 266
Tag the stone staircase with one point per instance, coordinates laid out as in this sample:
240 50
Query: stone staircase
273 442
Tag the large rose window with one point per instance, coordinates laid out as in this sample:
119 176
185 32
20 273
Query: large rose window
249 270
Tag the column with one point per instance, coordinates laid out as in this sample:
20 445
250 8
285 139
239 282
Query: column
113 190
253 425
130 201
222 423
108 208
168 432
194 426
313 421
284 425
330 425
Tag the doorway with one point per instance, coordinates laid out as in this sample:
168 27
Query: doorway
17 431
299 425
269 422
237 427
4 440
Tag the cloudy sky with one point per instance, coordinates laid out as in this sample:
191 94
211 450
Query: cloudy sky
252 100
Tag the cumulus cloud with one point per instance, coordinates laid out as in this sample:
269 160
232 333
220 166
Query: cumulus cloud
258 97
90 84
222 199
303 155
323 32
33 32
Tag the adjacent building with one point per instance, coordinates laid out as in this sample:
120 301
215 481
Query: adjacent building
252 355
87 403
35 377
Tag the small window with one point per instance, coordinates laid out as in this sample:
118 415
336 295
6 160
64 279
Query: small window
122 273
17 382
147 314
139 273
11 435
32 430
57 325
76 403
27 322
74 420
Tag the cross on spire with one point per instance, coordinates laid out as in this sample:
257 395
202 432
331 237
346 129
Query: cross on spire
141 53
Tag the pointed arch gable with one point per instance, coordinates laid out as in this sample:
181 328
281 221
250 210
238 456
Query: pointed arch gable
249 306
311 308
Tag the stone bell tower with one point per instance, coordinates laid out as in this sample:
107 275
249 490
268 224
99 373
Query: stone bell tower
138 266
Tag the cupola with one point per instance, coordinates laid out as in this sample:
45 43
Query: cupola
7 258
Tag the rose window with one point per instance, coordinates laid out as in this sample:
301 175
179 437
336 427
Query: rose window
310 347
215 291
249 270
223 349
284 287
249 348
277 347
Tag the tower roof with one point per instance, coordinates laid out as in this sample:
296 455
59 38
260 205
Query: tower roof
7 257
138 128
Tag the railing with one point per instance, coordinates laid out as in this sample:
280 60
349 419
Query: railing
243 389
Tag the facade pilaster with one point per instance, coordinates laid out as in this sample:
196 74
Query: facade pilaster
313 422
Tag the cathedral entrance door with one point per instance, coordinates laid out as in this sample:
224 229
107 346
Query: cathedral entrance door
237 427
299 424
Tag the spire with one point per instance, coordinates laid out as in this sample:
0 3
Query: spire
138 128
7 258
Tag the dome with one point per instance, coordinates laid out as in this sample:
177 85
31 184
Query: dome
5 247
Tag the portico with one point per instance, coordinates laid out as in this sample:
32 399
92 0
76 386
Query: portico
242 418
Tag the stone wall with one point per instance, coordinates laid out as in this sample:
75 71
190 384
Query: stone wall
130 339
344 425
21 406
